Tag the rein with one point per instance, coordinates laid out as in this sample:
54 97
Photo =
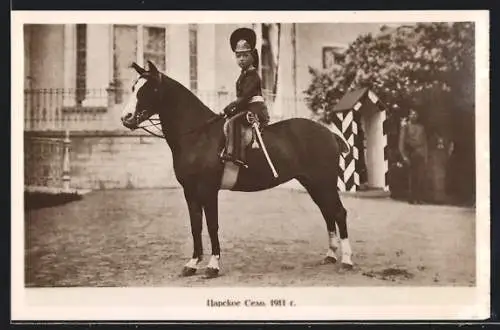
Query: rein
152 124
205 124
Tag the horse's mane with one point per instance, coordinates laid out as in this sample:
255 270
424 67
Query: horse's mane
179 91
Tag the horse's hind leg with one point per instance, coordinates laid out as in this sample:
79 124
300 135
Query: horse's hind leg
341 220
328 200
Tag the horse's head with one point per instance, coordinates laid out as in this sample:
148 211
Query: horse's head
144 101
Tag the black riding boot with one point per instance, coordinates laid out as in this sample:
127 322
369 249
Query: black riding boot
233 144
239 157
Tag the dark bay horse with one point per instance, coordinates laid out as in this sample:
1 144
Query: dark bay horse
299 148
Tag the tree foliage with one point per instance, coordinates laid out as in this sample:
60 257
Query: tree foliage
426 66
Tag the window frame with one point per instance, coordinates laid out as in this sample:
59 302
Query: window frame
193 56
140 43
81 44
139 49
140 40
337 50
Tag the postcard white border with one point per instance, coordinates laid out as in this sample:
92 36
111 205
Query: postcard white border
329 303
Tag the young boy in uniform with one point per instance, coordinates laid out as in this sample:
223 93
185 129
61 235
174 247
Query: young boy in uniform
248 93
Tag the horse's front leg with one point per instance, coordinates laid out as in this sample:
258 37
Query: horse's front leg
210 206
195 215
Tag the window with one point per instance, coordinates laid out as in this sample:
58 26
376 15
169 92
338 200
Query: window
332 56
135 43
154 46
81 62
193 57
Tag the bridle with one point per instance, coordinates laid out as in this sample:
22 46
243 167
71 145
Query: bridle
158 123
155 122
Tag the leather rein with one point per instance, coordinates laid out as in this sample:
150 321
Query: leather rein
157 124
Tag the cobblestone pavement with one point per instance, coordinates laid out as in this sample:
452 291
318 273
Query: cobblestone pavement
275 237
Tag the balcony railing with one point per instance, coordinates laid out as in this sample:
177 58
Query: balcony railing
57 109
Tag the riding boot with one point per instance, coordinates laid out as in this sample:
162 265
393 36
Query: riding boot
237 148
236 141
242 155
222 146
229 141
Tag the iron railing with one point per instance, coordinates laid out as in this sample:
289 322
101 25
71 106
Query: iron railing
60 109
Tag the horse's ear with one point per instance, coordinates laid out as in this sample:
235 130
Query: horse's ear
152 67
153 70
137 68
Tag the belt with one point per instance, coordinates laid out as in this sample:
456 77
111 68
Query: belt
256 98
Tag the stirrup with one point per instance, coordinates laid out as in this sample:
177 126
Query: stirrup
240 163
225 157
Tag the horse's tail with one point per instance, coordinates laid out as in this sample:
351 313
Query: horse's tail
345 146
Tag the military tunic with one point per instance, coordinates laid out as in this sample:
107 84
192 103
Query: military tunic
249 95
249 98
413 146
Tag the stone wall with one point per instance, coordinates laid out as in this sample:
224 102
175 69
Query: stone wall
43 162
117 160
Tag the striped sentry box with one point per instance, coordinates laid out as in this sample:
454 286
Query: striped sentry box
347 122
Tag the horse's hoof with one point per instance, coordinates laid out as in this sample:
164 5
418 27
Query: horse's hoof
328 260
347 266
188 271
211 272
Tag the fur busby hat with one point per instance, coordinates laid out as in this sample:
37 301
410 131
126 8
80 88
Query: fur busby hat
243 40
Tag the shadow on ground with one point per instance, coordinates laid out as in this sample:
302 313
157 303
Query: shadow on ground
39 200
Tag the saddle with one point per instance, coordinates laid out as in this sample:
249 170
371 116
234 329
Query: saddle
246 136
246 133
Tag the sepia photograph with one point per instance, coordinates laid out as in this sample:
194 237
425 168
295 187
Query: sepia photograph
261 165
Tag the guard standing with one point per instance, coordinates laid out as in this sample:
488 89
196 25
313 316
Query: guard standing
413 149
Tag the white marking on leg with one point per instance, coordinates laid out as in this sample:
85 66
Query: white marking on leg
333 241
333 245
193 263
331 254
214 262
346 251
